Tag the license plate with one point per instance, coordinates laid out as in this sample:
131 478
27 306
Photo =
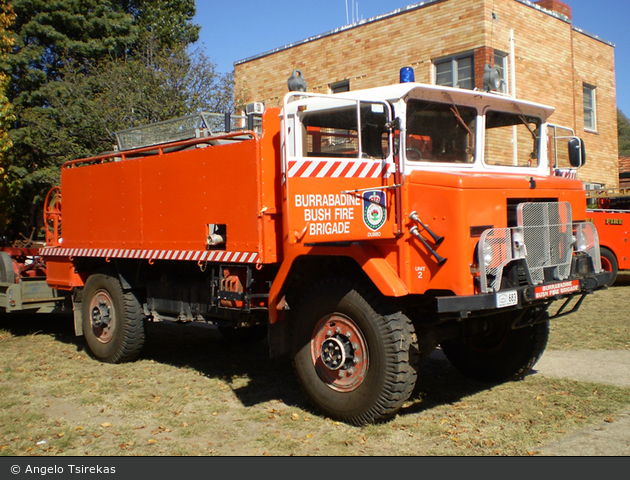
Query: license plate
562 288
507 299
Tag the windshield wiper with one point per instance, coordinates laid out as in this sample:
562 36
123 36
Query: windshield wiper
525 122
459 118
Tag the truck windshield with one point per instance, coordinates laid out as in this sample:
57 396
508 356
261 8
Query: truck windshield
512 139
440 132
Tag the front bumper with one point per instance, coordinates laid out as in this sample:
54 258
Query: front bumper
520 297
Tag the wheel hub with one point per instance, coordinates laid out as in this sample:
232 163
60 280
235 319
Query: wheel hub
339 353
101 316
335 352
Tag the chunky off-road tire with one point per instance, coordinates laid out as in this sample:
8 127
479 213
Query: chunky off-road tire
113 320
354 363
609 264
500 354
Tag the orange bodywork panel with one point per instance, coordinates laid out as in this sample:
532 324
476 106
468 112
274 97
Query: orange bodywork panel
381 270
455 206
459 208
162 202
60 274
614 234
322 214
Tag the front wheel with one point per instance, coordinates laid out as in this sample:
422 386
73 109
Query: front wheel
113 320
355 364
499 353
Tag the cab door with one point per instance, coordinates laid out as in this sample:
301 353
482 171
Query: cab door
338 169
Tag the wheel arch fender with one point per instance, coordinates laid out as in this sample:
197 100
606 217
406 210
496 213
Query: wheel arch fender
361 259
298 272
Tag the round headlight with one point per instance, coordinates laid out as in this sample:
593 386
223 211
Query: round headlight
580 242
488 253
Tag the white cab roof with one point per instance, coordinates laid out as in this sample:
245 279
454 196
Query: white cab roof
481 100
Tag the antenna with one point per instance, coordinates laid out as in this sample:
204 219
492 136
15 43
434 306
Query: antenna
354 10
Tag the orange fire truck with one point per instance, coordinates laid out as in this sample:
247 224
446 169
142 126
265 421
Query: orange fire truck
609 211
359 231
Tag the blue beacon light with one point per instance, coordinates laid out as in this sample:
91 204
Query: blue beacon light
407 75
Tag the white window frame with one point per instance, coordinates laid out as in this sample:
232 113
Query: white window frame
590 92
455 69
502 64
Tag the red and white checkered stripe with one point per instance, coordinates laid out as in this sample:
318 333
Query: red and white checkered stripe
326 168
566 173
190 255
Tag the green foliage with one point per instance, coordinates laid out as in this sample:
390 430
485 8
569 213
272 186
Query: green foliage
91 103
165 23
47 35
80 70
623 129
7 116
48 32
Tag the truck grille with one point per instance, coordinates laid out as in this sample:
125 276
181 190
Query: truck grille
544 238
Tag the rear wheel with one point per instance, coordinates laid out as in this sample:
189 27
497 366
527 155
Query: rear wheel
113 321
500 353
609 264
355 364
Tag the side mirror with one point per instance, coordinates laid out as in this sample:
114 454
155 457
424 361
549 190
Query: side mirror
577 152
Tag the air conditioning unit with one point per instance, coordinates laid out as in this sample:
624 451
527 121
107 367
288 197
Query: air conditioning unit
256 107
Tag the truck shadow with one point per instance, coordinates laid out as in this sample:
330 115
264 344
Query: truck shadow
440 383
58 326
203 348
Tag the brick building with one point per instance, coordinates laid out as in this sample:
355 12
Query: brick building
624 171
449 42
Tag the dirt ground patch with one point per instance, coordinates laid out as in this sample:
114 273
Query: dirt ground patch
599 366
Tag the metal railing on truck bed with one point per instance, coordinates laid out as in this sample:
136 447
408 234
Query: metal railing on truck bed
199 125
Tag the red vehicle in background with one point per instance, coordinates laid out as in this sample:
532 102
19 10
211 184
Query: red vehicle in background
609 210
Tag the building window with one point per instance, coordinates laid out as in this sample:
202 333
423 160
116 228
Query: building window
456 72
501 64
590 111
339 87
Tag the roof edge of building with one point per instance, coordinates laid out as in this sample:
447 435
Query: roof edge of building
344 28
400 11
552 13
594 37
